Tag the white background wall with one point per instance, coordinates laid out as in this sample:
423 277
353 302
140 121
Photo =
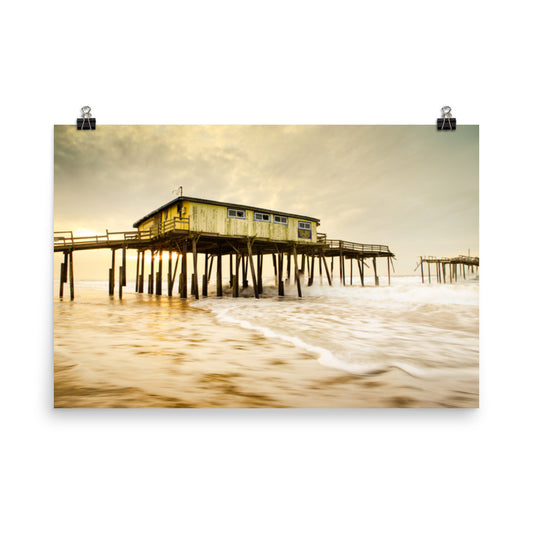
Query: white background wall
274 63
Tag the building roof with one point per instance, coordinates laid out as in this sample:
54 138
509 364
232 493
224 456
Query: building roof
224 204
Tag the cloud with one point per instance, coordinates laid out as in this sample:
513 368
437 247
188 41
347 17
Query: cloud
408 186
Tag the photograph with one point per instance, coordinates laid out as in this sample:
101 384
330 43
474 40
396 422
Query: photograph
266 266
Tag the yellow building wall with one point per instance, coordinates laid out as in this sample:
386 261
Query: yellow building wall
164 216
214 219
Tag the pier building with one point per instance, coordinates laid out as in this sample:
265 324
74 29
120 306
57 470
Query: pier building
245 235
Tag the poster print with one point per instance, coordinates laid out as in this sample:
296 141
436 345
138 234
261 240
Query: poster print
266 266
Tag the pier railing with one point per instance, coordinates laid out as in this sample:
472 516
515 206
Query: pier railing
176 223
66 237
357 247
62 238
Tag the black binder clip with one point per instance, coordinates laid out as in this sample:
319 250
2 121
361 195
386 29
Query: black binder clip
86 122
446 122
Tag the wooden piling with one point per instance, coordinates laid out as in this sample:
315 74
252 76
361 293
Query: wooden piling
231 270
312 272
388 268
235 281
120 276
174 274
361 267
151 276
274 263
159 275
210 267
297 271
260 272
429 273
183 275
351 270
194 286
71 275
326 269
169 274
66 259
343 271
204 277
110 282
141 276
245 261
288 269
112 274
64 275
422 269
137 272
61 279
219 274
281 288
342 277
252 269
123 277
195 266
376 277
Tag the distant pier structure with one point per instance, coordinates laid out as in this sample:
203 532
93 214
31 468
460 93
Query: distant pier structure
212 230
448 269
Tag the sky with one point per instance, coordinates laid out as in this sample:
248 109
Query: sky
412 188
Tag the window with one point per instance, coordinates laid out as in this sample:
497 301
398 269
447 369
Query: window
304 230
236 213
262 217
278 219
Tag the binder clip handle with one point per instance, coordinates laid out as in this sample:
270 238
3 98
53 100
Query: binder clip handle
446 122
86 122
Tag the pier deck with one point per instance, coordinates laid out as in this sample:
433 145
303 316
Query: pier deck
461 264
175 238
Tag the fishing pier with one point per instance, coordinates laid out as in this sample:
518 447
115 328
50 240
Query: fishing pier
456 266
208 232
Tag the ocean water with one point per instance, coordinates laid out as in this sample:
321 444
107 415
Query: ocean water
407 345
